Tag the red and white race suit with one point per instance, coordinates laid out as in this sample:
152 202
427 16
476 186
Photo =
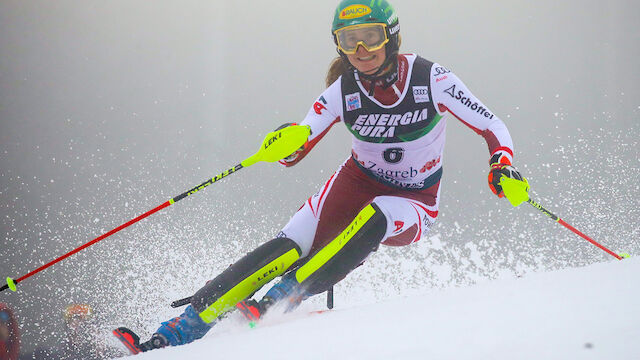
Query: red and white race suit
398 138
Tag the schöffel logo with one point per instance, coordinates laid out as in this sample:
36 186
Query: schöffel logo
354 11
353 101
468 101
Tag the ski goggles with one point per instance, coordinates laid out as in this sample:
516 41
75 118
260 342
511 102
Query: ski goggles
370 36
4 317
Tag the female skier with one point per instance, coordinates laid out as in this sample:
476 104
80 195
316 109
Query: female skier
386 192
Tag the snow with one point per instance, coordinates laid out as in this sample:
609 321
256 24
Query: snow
576 313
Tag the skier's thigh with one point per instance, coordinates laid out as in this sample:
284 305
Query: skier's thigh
407 220
301 228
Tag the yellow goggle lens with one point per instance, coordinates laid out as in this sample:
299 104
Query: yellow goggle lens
370 36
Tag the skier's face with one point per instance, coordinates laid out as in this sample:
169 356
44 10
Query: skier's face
367 62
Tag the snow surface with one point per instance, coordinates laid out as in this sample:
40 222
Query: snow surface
580 313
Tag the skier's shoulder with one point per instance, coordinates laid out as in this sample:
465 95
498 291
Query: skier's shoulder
415 59
434 69
332 95
335 86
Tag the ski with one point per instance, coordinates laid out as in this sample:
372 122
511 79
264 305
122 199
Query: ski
319 311
250 309
129 339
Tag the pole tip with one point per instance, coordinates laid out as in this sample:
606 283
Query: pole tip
624 255
11 284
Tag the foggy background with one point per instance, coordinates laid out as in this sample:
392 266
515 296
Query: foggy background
110 108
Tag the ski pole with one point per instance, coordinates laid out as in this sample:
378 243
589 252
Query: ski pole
563 223
516 191
275 146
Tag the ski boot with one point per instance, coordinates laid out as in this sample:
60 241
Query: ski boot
178 331
132 341
286 290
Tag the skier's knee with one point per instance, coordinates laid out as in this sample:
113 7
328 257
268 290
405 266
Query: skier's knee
389 205
245 277
407 220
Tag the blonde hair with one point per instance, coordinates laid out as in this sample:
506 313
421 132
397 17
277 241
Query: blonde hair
336 68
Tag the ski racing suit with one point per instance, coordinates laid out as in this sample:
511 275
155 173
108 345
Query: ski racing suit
387 190
397 152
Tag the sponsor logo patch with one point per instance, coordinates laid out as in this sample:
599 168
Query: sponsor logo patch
440 70
421 94
267 273
468 101
426 225
390 174
394 29
399 225
273 139
385 125
354 11
430 164
318 106
393 155
393 18
353 101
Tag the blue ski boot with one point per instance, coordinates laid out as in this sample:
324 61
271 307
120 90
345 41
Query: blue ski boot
178 331
286 290
182 329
